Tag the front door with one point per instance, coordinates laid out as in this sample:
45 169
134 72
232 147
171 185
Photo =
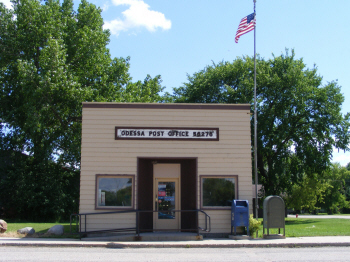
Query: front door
166 196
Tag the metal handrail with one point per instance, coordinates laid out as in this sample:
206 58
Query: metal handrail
207 217
137 227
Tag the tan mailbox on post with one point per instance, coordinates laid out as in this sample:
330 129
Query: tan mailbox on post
274 213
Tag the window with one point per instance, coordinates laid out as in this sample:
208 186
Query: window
218 191
114 191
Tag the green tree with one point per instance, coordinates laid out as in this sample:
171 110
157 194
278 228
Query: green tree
335 198
299 118
308 194
347 189
52 59
38 193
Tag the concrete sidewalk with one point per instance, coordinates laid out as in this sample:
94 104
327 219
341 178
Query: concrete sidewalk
206 243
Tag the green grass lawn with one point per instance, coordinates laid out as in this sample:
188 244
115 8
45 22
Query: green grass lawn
305 227
40 229
295 227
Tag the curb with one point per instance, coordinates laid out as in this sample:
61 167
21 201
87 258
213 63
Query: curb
172 245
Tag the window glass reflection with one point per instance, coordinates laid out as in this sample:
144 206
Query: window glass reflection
217 192
114 191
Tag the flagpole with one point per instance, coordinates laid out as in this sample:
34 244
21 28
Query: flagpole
255 125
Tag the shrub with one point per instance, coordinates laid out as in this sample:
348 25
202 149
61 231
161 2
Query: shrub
254 225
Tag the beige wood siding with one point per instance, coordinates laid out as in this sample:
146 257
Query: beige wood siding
102 154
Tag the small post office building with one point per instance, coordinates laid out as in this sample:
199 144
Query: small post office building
161 167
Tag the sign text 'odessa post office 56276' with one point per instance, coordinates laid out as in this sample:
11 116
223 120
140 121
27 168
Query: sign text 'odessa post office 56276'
136 133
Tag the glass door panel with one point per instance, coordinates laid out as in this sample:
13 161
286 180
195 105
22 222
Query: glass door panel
166 200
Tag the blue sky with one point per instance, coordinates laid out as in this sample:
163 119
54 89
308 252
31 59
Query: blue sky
175 38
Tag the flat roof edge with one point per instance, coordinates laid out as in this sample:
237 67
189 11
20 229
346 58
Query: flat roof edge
166 106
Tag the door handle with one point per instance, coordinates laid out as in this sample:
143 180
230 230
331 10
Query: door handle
156 203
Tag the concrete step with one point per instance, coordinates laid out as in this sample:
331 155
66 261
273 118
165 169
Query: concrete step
156 236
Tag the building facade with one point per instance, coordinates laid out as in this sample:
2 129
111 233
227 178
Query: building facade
167 160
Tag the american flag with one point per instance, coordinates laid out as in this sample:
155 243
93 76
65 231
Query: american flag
246 25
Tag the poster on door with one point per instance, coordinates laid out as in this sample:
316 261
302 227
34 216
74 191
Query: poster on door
169 198
161 193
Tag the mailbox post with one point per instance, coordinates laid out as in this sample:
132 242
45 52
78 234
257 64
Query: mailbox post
240 215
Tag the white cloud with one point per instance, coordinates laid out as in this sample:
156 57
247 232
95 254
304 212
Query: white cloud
138 15
7 3
105 7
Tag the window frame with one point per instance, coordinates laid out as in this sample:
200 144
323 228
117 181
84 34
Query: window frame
98 176
217 176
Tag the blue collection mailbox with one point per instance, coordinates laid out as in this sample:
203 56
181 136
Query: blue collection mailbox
240 215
